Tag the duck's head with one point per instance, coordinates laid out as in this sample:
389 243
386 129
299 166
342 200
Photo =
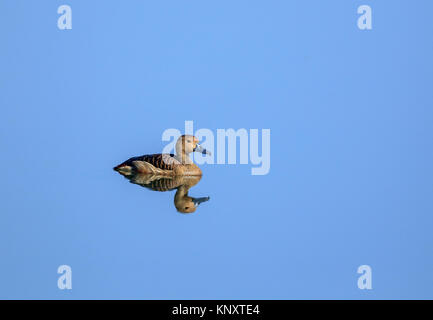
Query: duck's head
187 204
188 143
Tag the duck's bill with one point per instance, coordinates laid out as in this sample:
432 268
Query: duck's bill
200 149
197 201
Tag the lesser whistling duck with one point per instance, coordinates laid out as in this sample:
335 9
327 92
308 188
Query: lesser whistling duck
165 163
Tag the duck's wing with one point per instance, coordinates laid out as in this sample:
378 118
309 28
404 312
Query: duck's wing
163 161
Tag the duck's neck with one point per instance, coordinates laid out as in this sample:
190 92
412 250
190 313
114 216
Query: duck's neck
182 191
183 157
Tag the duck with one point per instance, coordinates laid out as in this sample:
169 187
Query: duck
167 164
162 183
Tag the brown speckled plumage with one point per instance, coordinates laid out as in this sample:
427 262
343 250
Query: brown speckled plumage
158 160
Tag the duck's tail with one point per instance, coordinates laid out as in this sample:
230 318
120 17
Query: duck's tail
122 167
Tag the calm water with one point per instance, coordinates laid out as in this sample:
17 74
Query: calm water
350 184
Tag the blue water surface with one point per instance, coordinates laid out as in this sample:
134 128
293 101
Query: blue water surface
351 179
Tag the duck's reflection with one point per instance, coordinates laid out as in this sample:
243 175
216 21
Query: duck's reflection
182 201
